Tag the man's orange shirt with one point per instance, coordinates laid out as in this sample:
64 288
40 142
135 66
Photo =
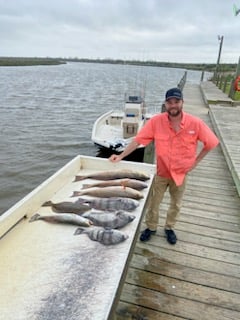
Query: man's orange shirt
176 152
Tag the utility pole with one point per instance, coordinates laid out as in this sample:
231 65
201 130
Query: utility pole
220 38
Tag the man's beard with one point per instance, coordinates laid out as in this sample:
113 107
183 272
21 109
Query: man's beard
174 112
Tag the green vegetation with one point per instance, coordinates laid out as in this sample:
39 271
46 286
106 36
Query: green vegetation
189 66
18 61
21 61
224 83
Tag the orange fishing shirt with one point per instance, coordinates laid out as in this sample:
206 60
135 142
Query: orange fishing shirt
176 152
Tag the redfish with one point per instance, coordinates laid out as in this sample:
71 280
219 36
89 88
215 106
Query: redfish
107 192
114 174
131 183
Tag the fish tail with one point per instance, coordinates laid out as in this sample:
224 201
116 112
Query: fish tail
78 231
47 204
75 194
85 186
35 217
78 178
81 200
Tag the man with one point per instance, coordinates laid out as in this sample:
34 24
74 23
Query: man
175 135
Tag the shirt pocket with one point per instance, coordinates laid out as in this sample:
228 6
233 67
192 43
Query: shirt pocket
162 143
189 143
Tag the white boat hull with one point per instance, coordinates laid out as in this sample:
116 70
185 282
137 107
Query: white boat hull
114 130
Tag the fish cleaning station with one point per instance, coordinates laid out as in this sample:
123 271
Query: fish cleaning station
48 272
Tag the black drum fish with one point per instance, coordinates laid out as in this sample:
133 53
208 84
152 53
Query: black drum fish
105 236
110 204
67 218
113 220
68 206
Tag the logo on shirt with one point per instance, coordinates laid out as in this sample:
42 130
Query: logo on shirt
191 132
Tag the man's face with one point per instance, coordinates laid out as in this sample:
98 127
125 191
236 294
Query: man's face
174 106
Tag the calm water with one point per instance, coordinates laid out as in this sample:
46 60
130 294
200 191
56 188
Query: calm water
47 113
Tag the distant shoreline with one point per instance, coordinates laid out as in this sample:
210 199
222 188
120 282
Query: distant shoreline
23 61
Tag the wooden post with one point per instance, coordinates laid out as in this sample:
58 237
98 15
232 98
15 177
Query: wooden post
219 56
232 90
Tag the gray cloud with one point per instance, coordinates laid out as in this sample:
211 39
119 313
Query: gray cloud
173 30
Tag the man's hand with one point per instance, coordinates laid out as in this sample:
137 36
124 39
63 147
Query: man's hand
115 158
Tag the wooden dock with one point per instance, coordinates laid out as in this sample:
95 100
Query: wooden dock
199 277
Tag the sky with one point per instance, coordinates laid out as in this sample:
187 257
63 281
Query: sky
158 30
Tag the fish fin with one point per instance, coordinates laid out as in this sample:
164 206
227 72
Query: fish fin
124 183
35 217
47 204
78 231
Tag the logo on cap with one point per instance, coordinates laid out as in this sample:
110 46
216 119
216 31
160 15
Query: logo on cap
174 93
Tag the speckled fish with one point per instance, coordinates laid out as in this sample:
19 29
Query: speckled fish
108 192
131 183
114 174
105 236
110 204
113 220
68 218
68 206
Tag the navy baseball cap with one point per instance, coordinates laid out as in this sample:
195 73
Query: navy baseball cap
174 93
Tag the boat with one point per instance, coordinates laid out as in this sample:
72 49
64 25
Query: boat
46 272
115 129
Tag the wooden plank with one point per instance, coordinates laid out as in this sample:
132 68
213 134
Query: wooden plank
227 217
158 265
198 250
186 259
178 306
126 311
202 221
207 241
183 289
230 202
206 231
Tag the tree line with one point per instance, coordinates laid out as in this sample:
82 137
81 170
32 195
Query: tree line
26 61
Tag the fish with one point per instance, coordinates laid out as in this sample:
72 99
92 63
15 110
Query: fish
114 174
68 218
110 204
68 206
105 236
131 183
108 192
113 220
